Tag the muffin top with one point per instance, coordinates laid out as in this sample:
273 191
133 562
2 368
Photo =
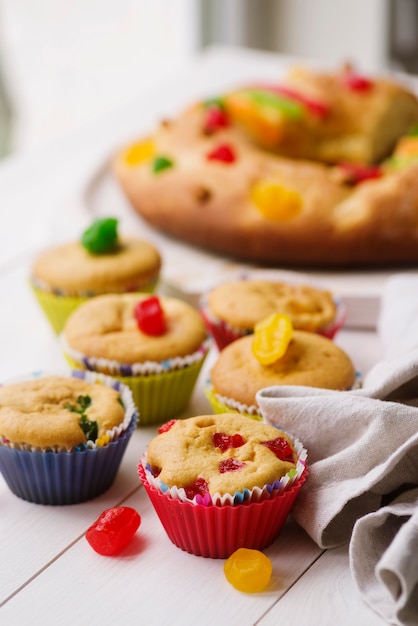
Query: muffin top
243 303
106 327
70 268
225 453
48 412
310 360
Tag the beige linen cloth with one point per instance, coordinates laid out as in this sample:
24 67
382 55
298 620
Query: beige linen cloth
362 446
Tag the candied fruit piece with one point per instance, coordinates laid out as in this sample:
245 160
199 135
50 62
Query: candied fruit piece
271 338
276 202
230 465
224 442
101 236
150 316
113 530
248 570
139 152
167 426
161 163
280 447
199 487
216 119
224 153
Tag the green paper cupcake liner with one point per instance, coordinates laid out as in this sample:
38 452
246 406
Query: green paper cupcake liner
159 397
220 407
57 308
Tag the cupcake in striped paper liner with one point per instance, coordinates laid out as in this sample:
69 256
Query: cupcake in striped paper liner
102 261
63 435
155 345
222 482
233 308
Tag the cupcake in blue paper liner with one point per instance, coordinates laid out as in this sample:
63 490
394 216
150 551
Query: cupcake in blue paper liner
63 435
155 345
222 482
101 261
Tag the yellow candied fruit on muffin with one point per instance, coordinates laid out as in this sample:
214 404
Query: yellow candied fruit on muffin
139 152
272 336
275 201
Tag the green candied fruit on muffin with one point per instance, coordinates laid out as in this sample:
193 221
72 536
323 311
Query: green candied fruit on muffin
101 236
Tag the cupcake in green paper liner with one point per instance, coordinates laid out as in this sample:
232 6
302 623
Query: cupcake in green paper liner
101 262
275 354
155 345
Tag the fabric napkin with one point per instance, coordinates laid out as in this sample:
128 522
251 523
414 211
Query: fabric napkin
363 460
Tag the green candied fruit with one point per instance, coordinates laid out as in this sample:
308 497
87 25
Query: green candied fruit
214 102
161 163
90 428
101 236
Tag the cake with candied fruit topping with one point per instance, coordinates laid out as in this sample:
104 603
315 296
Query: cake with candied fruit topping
233 308
221 482
101 261
63 436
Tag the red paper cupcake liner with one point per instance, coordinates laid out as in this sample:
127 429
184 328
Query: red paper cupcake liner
217 531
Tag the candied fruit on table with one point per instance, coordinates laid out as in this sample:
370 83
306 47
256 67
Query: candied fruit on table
248 570
113 530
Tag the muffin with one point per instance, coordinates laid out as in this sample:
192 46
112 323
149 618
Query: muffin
156 346
222 482
100 262
63 436
308 359
232 309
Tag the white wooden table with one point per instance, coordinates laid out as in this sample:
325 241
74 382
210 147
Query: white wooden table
48 572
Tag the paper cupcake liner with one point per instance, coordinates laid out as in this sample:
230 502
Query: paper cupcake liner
161 396
69 476
223 333
220 404
217 531
57 307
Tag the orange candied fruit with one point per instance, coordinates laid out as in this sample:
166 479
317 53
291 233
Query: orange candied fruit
139 152
407 147
272 336
276 202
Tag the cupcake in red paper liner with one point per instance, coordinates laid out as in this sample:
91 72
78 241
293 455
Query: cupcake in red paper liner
155 345
102 261
63 436
275 354
222 482
232 309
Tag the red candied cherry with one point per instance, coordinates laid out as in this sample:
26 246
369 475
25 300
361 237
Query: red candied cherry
354 173
199 487
356 82
224 442
150 316
113 530
280 447
216 119
230 465
166 427
224 153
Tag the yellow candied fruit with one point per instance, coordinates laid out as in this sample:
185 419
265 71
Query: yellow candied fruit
275 201
102 441
272 336
139 152
248 570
